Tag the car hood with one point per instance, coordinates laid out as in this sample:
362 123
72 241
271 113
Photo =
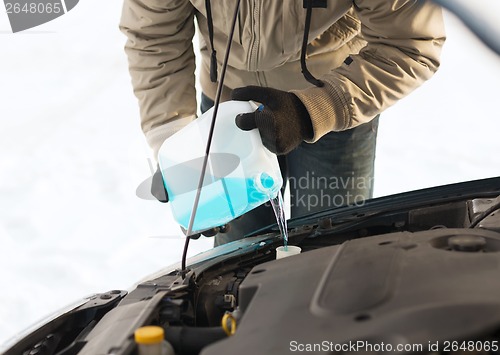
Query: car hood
402 269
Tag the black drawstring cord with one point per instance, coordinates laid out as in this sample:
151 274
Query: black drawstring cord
213 56
307 74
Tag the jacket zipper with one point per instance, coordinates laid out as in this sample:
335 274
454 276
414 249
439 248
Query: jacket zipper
256 38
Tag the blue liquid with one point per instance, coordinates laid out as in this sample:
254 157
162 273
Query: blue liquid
220 202
279 212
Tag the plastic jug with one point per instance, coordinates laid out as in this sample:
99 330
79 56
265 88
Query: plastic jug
241 173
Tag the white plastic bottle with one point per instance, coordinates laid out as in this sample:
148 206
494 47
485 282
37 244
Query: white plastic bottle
241 173
150 340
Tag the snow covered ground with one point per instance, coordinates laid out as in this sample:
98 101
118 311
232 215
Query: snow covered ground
72 154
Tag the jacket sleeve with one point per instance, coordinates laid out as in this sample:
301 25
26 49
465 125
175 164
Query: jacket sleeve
404 40
161 64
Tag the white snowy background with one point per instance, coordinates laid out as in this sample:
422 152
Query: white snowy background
72 155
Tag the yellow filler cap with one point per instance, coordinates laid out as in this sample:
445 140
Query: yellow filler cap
150 334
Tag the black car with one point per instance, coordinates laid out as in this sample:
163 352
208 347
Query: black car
409 273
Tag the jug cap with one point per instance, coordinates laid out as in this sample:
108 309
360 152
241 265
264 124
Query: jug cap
265 183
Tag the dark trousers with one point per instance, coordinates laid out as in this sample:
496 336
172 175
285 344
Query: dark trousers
336 170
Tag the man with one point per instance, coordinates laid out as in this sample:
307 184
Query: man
321 118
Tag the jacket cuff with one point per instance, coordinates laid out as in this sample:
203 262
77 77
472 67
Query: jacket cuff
156 136
328 109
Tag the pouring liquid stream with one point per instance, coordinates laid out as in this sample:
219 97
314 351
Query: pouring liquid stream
279 212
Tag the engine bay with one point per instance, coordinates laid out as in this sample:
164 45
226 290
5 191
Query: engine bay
408 276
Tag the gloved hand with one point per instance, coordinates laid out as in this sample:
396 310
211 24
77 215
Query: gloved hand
157 187
283 122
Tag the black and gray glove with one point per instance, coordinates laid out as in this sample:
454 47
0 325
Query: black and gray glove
283 122
157 187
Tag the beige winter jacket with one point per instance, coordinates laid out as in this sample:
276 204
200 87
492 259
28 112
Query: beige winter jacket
394 46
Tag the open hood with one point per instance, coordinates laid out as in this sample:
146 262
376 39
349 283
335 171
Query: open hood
406 271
